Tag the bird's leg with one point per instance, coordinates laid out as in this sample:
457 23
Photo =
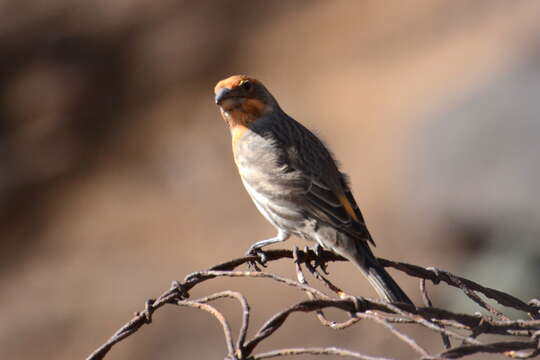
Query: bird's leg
281 236
256 249
319 262
317 249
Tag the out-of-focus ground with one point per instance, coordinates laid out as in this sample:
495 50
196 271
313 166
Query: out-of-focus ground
116 175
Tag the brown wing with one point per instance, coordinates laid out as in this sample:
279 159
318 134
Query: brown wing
337 208
327 199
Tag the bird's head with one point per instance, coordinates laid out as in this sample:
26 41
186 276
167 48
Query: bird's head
243 99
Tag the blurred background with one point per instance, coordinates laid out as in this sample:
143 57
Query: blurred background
116 175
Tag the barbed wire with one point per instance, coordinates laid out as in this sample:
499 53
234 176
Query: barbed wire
465 328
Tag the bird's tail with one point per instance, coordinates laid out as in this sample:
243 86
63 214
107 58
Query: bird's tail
381 281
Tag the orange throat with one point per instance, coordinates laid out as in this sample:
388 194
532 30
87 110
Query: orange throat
236 133
239 118
242 113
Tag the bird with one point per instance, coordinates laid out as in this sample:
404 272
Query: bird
295 182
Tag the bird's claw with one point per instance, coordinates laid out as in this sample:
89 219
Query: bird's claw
321 264
261 258
318 250
318 261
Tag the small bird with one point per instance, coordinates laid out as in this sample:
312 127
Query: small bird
294 180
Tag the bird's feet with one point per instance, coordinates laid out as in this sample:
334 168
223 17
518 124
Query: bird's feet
256 249
260 259
318 262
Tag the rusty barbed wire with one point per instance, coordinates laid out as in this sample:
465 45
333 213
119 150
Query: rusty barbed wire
525 333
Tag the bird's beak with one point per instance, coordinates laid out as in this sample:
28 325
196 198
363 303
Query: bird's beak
222 94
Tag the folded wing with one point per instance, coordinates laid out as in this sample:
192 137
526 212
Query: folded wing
336 208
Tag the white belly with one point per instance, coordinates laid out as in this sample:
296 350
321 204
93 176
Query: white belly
260 202
283 215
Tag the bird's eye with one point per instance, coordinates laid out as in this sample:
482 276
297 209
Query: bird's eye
246 85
